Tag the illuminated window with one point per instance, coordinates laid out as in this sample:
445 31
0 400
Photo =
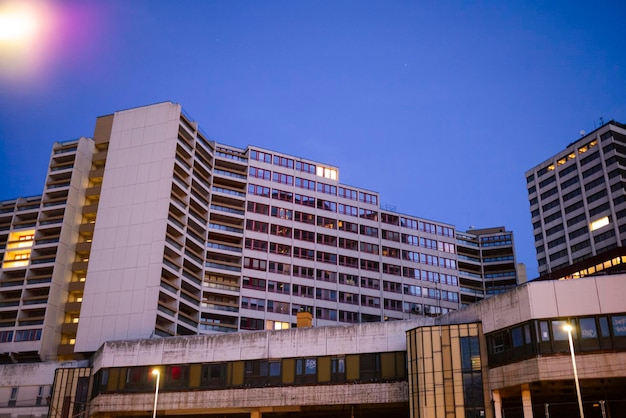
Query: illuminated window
599 223
329 173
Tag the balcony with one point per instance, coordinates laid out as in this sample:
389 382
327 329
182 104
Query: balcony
70 328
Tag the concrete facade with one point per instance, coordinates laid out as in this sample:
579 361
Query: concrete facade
578 205
152 229
505 356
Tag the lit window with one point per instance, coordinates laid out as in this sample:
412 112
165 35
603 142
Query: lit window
329 173
599 223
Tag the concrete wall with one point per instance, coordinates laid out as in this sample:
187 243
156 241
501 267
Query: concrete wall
297 342
243 400
122 286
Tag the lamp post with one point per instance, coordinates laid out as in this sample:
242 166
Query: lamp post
569 329
156 373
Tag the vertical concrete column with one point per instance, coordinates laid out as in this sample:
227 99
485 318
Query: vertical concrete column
255 414
497 404
527 403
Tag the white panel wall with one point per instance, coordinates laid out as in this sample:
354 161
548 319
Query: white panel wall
122 286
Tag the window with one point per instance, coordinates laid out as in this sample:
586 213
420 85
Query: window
283 162
281 213
349 279
348 261
304 253
27 335
326 294
618 323
370 367
259 173
257 226
388 218
368 214
13 397
327 188
326 172
258 191
256 244
280 230
259 208
305 167
366 247
427 227
368 283
326 205
369 265
347 210
324 257
327 240
303 235
368 198
306 272
253 283
348 227
282 178
369 231
391 235
391 252
305 200
305 184
348 193
278 287
260 156
213 375
326 276
282 195
445 231
281 249
306 371
304 291
304 217
327 222
254 263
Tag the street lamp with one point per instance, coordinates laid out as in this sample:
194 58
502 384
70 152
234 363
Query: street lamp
156 373
569 329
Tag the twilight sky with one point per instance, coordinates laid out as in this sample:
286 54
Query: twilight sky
438 105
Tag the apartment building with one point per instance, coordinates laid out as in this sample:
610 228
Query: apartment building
578 206
152 229
486 263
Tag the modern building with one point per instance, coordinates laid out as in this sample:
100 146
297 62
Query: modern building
505 356
578 206
152 229
486 263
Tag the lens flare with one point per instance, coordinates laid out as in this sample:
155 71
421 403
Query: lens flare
17 24
24 30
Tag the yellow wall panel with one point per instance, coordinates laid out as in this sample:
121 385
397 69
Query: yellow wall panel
353 371
289 370
323 369
195 371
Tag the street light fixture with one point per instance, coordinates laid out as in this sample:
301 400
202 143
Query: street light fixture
156 373
569 328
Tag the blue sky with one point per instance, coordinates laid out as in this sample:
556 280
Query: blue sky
440 106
